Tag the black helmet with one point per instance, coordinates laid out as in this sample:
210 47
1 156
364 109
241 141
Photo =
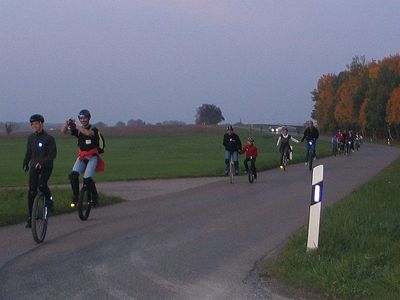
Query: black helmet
251 139
229 127
84 113
36 118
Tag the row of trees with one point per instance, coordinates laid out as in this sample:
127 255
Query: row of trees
365 97
208 114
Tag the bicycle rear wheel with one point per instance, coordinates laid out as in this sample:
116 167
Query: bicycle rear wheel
84 203
39 218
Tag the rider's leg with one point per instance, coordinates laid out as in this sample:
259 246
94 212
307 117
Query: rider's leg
33 184
227 161
88 177
44 188
236 162
306 158
281 151
246 166
78 168
74 180
92 187
253 167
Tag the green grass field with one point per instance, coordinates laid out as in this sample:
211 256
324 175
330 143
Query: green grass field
143 156
359 247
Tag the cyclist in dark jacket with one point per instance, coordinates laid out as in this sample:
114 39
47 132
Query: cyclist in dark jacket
311 133
41 150
232 145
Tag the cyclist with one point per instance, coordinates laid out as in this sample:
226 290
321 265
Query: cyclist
232 145
89 160
284 144
311 133
250 150
340 140
350 142
41 150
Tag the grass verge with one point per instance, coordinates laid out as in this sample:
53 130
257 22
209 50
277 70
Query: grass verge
14 204
359 248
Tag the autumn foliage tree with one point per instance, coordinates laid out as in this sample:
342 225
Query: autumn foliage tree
393 111
363 97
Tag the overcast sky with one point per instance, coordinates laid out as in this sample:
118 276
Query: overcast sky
258 60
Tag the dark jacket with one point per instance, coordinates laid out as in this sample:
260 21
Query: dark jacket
86 143
41 148
232 142
310 134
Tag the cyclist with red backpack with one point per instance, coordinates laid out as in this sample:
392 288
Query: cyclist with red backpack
89 160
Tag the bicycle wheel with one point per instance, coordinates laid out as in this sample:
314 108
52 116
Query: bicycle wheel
231 171
250 175
84 203
39 218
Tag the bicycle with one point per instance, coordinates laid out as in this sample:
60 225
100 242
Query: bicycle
40 217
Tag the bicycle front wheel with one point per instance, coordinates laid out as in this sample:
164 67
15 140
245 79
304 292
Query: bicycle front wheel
84 203
39 218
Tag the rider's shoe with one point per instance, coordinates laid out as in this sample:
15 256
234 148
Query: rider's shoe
74 201
306 163
28 223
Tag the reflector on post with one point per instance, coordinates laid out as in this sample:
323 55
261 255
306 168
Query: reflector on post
315 207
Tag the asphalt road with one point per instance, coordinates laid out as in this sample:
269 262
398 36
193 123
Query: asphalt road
175 239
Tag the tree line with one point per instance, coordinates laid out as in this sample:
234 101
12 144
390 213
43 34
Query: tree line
364 97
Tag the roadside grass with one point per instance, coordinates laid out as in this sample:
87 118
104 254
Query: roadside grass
14 204
140 156
359 248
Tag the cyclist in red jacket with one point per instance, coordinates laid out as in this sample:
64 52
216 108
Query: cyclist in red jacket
250 150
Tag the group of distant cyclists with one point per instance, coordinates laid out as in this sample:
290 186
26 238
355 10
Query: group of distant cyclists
233 148
41 150
346 142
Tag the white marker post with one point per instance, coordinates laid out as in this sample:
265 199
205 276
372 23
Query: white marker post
315 207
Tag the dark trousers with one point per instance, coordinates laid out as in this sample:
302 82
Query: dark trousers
38 178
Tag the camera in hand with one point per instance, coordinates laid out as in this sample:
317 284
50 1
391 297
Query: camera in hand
71 123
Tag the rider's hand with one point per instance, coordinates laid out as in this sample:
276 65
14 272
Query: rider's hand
25 166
